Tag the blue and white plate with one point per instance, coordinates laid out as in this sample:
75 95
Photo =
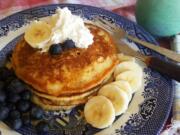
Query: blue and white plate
150 106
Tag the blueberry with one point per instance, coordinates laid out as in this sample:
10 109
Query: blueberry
42 127
26 119
5 73
16 124
3 103
55 49
16 86
11 106
4 112
26 95
2 96
68 44
23 105
14 114
13 98
1 85
36 112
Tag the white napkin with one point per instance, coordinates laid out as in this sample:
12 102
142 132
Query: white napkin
176 108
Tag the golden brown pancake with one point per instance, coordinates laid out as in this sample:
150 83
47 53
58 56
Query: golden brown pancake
72 98
72 72
45 101
63 103
50 107
68 100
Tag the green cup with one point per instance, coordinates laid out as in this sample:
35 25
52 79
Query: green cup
159 17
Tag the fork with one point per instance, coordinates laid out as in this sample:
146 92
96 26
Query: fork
169 68
120 33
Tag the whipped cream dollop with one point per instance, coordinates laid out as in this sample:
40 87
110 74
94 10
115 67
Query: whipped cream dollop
63 25
69 26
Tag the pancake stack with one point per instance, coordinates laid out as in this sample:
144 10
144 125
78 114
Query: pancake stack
66 80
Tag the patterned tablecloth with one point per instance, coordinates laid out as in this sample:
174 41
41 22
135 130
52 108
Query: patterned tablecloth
122 7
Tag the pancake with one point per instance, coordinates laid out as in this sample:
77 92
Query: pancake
73 99
50 107
62 103
77 96
72 72
65 100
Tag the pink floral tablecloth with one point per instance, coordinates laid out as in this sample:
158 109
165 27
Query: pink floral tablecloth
122 7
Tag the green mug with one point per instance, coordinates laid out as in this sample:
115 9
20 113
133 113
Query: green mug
159 17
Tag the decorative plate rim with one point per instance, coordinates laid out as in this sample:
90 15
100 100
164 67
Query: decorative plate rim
115 15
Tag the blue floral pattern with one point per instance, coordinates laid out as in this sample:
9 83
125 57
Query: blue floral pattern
157 94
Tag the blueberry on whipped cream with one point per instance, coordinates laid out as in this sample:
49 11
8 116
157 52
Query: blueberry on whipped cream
55 49
68 44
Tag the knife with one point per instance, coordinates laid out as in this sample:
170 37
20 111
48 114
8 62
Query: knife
168 68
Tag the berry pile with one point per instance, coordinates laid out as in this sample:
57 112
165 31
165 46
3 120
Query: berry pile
16 108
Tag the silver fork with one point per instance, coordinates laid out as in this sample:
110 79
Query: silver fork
119 33
111 28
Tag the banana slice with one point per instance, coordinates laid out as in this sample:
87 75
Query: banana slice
125 66
99 112
117 96
123 58
133 77
125 86
38 34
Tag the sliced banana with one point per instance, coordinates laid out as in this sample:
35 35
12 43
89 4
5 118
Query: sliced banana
99 112
123 58
117 96
125 66
133 77
125 86
38 34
